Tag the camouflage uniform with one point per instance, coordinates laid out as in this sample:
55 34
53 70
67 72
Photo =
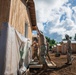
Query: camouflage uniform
42 54
47 49
69 50
42 50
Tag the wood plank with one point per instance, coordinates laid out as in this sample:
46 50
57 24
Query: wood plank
35 65
51 64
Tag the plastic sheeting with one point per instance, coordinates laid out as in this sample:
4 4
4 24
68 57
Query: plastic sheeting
9 51
27 52
11 42
12 52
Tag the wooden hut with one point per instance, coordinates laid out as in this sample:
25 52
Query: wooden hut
73 45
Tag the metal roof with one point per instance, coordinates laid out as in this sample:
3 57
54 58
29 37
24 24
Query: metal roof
71 41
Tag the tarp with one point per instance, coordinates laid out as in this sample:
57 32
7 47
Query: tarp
27 52
9 51
11 43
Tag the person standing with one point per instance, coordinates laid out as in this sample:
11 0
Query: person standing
69 50
47 50
42 50
35 49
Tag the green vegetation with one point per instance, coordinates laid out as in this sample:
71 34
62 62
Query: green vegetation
52 42
75 37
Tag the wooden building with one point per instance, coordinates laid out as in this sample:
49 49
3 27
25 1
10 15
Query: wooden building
15 15
62 47
20 14
73 45
54 48
59 48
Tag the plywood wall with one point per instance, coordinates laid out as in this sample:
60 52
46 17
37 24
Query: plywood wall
16 14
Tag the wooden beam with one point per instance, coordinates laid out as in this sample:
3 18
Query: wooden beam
31 7
36 65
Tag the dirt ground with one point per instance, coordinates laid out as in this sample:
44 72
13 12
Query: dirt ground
62 68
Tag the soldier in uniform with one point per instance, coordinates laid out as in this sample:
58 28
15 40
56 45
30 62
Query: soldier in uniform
42 49
69 50
47 50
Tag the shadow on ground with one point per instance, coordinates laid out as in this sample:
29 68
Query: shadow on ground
49 70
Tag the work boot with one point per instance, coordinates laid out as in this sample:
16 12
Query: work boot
68 63
45 66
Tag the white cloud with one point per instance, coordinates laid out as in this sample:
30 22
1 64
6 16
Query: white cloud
74 8
74 15
40 26
68 11
66 27
44 9
51 11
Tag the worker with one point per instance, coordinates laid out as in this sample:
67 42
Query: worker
35 49
42 49
69 50
47 50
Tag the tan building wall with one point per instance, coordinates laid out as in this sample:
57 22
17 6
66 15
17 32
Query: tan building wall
64 50
59 48
16 14
54 49
74 47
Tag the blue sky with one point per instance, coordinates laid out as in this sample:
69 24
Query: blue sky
56 17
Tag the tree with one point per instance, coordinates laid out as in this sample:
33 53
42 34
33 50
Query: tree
51 41
48 39
64 39
71 38
75 37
